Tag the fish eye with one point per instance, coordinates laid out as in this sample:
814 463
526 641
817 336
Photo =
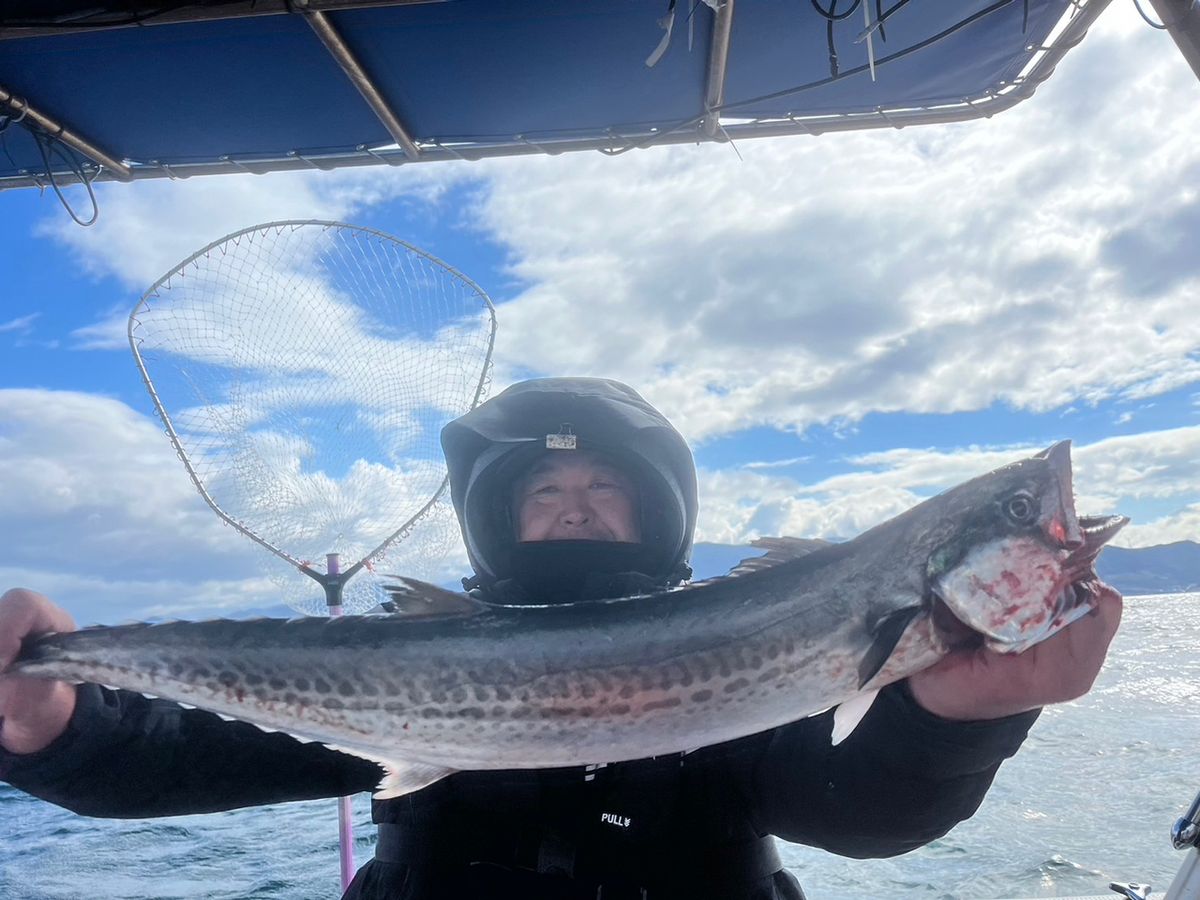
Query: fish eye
1021 508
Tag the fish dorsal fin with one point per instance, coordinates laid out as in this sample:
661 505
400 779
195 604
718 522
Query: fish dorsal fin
419 598
779 550
886 631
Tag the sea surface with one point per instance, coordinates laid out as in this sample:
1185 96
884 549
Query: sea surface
1089 799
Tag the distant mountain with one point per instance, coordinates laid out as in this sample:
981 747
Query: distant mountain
1163 569
279 611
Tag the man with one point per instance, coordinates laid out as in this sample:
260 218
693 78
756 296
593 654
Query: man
569 489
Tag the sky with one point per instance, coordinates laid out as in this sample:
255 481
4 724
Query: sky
840 325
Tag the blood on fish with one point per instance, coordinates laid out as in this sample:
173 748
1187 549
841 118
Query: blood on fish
697 683
1057 531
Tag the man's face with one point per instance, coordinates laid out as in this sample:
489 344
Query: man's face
575 495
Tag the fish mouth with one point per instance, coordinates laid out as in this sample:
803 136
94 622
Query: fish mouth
1079 568
1083 588
1097 531
1075 594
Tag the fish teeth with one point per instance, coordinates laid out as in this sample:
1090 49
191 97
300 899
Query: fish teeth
1101 524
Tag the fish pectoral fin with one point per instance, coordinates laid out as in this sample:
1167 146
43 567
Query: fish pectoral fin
886 631
847 716
400 776
418 598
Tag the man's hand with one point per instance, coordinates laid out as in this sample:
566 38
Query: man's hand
32 713
982 684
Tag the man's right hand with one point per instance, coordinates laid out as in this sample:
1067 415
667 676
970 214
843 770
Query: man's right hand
32 712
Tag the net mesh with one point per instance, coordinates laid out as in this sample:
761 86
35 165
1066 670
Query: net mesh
303 371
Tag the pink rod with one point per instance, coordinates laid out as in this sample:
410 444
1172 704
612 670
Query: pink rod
345 822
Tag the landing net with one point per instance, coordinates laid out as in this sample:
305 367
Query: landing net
303 371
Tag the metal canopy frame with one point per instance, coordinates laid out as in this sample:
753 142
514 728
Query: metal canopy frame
153 12
717 121
313 12
356 73
1181 18
20 109
718 60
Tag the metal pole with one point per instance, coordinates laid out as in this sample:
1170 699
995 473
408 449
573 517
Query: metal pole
112 15
19 108
718 62
350 65
1185 835
333 597
1182 18
1186 884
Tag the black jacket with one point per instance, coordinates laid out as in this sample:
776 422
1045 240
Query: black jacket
679 826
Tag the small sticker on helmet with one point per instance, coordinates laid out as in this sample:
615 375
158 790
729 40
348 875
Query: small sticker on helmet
560 442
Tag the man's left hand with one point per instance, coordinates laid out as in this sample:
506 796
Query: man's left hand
982 684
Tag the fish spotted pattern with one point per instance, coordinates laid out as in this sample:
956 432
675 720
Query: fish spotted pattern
454 684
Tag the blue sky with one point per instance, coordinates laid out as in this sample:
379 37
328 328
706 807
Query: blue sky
841 325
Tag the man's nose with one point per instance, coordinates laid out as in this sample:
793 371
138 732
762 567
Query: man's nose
576 509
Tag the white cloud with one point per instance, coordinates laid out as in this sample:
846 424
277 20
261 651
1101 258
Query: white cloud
146 228
1115 475
1041 259
777 463
98 513
1038 259
1151 464
1183 525
283 328
89 481
96 509
20 325
107 333
93 599
736 507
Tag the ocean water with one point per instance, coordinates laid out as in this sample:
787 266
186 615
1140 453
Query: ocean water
1089 799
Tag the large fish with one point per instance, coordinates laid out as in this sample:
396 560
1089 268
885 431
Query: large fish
455 684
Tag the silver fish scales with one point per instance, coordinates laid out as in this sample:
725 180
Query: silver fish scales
456 684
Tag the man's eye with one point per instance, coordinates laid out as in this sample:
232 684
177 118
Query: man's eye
544 490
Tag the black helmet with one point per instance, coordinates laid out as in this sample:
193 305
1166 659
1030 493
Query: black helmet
489 447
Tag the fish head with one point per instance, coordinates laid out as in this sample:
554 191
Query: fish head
1017 564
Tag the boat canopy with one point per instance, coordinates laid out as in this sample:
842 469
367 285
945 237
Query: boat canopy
121 89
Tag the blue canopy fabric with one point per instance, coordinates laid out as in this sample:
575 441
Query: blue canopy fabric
471 78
